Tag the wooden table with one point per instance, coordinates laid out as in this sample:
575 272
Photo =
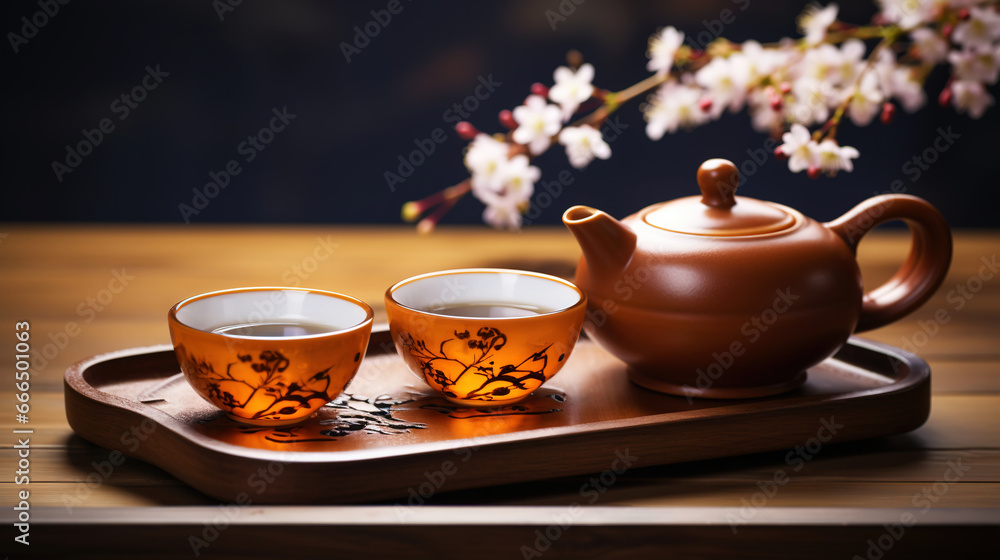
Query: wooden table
93 289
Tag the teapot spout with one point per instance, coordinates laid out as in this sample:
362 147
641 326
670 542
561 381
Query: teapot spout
607 243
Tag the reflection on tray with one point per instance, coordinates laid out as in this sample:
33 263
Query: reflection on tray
352 413
532 405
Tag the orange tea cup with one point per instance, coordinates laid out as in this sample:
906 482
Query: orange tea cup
270 356
485 337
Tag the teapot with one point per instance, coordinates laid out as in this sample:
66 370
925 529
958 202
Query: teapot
728 297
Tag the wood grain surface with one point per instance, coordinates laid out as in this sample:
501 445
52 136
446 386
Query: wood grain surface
93 289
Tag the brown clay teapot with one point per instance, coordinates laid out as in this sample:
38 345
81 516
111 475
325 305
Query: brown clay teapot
723 296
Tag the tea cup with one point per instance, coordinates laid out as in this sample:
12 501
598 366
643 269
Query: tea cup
270 356
482 336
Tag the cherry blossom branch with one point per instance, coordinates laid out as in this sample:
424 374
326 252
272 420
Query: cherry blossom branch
442 200
829 129
786 86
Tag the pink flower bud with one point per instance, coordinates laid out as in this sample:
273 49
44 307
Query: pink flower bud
507 119
945 98
888 112
465 130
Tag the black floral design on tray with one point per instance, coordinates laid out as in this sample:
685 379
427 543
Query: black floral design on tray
371 415
259 377
472 354
355 414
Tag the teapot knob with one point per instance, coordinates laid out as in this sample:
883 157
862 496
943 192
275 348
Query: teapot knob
718 179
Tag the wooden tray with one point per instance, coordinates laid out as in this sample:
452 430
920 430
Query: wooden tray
389 437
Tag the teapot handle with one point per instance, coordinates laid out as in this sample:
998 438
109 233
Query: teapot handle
924 268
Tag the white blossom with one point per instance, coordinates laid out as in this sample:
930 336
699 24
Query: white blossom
989 63
583 144
572 88
906 89
801 149
980 30
931 47
899 81
832 157
908 13
485 158
673 106
662 49
821 63
815 21
756 62
811 101
505 202
851 61
538 122
519 179
970 96
866 100
725 83
976 65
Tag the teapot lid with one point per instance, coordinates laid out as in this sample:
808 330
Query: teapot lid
719 212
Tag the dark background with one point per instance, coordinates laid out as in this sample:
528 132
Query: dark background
354 119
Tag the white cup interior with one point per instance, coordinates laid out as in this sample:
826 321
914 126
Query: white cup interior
270 306
434 292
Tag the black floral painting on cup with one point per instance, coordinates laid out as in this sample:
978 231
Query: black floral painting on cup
255 387
464 367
